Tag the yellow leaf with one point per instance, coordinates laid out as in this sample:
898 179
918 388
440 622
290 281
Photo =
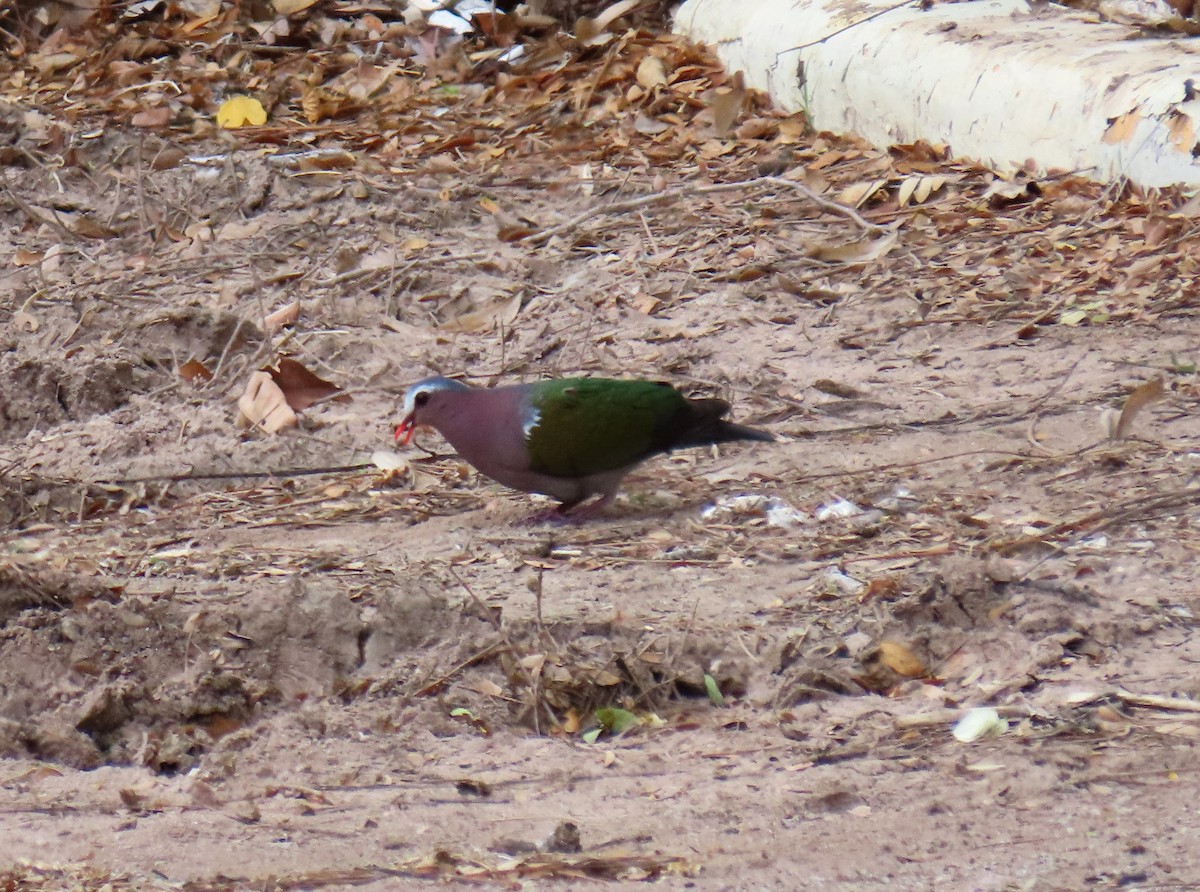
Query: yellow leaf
415 244
241 111
287 7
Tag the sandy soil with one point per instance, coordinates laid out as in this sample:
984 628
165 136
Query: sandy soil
344 680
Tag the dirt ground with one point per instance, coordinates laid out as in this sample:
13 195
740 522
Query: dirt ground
355 679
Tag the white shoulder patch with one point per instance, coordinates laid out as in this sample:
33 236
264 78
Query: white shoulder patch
531 422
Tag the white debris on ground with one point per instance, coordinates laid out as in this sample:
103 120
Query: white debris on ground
776 511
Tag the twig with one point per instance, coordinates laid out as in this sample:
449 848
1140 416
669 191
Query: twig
236 475
1036 320
845 28
237 329
429 687
673 194
49 219
826 203
932 551
1154 701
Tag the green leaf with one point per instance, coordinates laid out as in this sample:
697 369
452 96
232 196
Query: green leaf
592 736
1182 366
616 721
1072 317
463 712
713 690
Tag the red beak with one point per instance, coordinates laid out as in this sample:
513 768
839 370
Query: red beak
404 430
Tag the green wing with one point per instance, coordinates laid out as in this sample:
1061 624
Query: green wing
590 425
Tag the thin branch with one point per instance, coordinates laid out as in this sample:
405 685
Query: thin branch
676 193
845 28
236 475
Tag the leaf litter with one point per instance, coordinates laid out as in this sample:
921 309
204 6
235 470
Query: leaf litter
699 210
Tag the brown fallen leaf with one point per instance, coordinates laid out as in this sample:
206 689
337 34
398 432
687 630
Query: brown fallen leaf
1142 396
152 118
900 659
651 73
501 311
195 372
285 315
856 195
300 387
512 230
861 251
168 158
727 106
264 405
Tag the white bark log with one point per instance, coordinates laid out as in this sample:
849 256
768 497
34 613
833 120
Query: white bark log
997 80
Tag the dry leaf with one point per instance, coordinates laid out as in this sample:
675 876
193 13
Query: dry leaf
152 118
1156 231
1006 192
86 227
301 388
49 63
485 686
881 587
648 126
287 7
591 32
651 73
917 189
241 111
195 372
500 312
264 405
314 162
727 106
900 659
26 321
509 229
862 251
168 158
1147 393
857 194
285 315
